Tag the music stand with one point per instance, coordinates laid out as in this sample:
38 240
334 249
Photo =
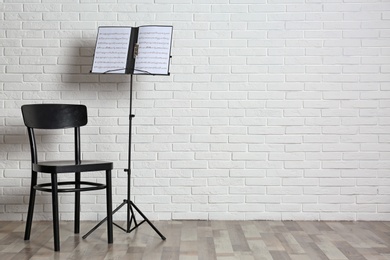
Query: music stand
133 68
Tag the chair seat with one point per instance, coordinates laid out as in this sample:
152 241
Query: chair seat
70 166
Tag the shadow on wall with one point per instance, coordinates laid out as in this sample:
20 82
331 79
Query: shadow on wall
64 79
77 70
62 75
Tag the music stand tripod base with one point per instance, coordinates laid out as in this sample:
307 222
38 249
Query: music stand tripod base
129 229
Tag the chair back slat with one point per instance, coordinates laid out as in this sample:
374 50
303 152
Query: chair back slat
54 116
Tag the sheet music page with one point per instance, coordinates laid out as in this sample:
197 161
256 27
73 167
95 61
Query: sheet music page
112 47
154 50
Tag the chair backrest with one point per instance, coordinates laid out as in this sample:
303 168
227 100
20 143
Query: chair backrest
54 116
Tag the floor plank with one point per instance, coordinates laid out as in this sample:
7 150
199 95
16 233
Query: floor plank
204 240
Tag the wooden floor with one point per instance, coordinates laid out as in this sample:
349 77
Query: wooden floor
206 240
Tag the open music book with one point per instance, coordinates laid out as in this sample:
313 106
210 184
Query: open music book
133 50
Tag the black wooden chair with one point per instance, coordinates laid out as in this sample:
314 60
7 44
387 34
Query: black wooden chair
62 116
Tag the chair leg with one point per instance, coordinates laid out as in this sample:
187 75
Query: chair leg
109 207
56 225
77 205
31 205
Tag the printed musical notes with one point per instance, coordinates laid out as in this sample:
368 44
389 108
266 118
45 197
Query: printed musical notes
136 50
154 50
111 52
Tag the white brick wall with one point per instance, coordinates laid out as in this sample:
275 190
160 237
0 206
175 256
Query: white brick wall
274 109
